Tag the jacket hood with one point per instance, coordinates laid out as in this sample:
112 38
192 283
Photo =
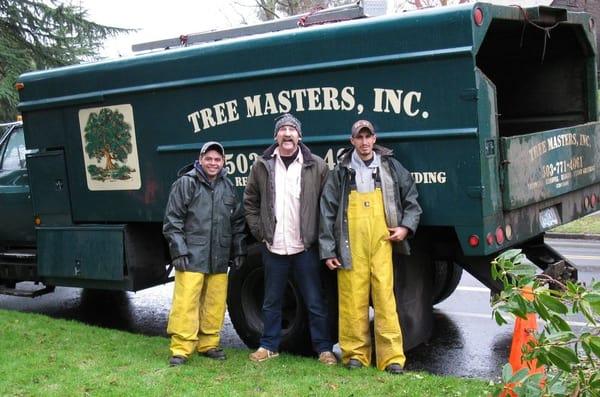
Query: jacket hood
345 157
185 169
306 153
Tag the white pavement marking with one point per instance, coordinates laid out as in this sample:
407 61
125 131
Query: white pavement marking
586 257
568 243
472 289
488 316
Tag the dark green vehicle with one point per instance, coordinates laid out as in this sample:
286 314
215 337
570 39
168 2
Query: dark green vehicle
15 199
496 119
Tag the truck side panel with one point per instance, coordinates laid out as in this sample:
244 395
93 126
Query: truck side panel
443 91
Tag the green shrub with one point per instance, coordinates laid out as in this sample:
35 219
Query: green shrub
571 359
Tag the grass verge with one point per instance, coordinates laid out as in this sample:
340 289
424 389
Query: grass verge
587 225
49 357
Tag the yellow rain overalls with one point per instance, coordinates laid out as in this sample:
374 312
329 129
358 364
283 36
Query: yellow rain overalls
197 312
371 274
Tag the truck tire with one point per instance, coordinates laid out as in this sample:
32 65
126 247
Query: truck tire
413 292
446 276
245 299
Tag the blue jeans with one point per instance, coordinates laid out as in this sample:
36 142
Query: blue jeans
306 268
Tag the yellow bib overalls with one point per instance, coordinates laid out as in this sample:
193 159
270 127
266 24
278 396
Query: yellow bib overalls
372 273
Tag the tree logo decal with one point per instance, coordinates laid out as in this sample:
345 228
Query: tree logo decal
110 153
108 137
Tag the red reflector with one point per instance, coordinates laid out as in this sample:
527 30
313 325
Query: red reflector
499 235
478 16
19 86
474 240
489 239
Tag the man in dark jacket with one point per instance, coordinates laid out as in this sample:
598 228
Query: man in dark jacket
204 225
369 203
281 201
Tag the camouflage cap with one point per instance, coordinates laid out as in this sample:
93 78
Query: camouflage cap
361 125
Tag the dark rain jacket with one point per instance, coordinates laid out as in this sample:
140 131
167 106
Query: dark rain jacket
205 222
259 196
399 199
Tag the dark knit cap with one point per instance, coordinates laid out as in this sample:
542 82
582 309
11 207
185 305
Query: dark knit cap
288 119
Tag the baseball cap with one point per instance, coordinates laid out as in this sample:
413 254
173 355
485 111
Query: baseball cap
212 145
361 124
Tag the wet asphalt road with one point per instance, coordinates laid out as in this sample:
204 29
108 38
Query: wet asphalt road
466 340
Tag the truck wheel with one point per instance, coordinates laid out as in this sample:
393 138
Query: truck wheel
245 299
413 292
446 276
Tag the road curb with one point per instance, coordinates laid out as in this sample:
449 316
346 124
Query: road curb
573 236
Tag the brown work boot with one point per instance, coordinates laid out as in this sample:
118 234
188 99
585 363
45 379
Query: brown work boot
262 354
327 358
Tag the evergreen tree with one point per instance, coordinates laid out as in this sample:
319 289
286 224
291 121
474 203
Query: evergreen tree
40 34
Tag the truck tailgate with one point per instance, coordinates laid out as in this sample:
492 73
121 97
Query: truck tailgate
546 164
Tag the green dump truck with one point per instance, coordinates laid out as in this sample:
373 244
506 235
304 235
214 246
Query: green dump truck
493 109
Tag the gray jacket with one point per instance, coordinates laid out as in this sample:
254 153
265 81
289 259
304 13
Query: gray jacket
205 222
399 199
259 196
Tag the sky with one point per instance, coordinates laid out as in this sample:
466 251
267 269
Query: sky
162 20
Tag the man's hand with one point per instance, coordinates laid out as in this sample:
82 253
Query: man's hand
238 262
181 263
333 263
397 233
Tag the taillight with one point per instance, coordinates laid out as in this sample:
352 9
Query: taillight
594 199
489 239
586 202
478 16
499 235
474 240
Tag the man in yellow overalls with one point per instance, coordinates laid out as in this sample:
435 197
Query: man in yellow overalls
204 225
369 203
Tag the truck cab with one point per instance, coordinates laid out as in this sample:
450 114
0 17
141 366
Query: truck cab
17 234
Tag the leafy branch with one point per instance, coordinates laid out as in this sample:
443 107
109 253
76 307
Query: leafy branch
571 358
